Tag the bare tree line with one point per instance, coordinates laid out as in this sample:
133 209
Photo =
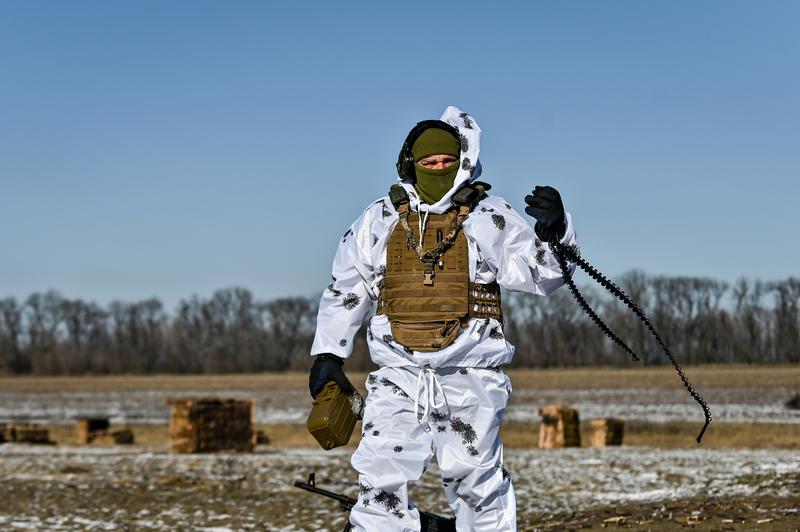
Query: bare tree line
702 320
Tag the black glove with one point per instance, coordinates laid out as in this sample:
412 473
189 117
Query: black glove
328 367
545 205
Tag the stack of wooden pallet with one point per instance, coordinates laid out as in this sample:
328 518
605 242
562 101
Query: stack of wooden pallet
26 433
560 427
97 430
209 424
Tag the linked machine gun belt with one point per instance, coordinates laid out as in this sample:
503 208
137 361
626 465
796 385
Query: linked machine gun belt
564 253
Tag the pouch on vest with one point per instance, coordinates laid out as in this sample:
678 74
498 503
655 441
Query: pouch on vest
425 336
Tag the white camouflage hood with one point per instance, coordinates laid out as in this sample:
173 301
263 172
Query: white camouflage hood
469 164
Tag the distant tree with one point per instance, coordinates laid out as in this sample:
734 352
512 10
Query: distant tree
290 330
234 332
13 359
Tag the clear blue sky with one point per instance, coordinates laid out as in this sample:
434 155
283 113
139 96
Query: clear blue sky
172 148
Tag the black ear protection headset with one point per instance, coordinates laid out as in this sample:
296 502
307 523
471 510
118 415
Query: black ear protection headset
405 161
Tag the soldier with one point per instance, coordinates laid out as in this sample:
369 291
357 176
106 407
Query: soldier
433 254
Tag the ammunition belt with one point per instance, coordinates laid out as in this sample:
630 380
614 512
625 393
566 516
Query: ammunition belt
484 301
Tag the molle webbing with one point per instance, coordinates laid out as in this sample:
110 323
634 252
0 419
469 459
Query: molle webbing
404 294
483 301
429 302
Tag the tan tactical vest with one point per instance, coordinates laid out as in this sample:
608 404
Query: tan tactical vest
429 300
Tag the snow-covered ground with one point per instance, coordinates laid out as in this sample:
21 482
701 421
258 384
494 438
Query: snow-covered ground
758 404
119 488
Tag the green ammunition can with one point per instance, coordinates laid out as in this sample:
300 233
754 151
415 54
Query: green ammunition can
333 416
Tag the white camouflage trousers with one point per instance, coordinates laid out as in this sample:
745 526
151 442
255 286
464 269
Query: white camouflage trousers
412 415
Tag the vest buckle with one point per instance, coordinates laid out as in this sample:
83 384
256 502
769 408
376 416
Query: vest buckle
429 273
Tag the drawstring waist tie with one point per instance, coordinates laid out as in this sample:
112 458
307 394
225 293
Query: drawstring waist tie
427 386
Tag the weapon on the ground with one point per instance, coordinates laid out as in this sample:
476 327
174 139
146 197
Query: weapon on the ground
430 522
564 253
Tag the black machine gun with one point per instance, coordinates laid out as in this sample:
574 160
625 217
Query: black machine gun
430 522
564 253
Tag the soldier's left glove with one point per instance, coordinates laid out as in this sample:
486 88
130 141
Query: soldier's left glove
544 204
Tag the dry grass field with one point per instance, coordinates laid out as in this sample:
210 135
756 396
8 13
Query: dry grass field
517 435
745 476
709 375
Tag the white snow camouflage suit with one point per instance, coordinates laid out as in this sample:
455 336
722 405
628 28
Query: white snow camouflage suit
447 403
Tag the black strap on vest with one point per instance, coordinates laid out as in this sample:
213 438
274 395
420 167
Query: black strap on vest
466 196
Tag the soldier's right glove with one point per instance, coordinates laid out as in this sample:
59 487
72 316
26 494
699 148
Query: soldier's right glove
328 367
544 204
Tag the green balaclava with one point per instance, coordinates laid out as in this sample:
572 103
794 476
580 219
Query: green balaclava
432 185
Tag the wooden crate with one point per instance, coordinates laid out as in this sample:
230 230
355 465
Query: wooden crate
27 433
606 431
209 424
560 427
121 436
87 429
262 438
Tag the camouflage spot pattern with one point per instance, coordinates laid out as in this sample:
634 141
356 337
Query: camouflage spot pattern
467 120
540 257
346 233
464 141
495 334
437 416
398 448
465 430
333 291
342 342
395 388
351 301
499 221
389 500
